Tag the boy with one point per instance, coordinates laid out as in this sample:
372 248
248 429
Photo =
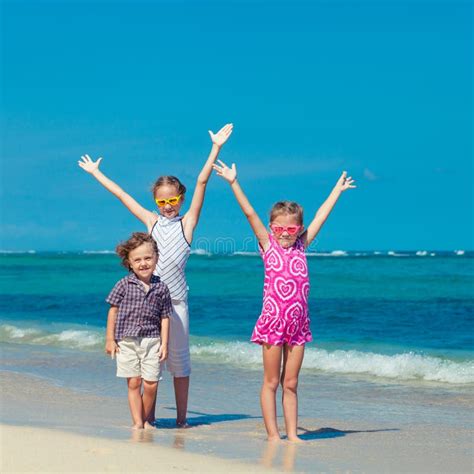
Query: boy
138 325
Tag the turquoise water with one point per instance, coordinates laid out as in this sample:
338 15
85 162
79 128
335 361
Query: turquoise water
387 317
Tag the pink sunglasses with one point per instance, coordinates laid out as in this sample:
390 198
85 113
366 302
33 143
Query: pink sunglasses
279 229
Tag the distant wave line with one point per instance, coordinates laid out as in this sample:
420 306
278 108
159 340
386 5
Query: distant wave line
244 253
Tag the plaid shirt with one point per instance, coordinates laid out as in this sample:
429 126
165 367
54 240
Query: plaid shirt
139 313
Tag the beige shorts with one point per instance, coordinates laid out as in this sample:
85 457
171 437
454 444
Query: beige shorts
138 357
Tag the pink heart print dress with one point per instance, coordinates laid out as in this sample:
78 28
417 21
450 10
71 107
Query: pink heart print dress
284 318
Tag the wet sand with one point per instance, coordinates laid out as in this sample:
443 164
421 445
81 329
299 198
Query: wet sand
47 428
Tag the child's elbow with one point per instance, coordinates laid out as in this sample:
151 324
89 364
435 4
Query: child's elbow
202 181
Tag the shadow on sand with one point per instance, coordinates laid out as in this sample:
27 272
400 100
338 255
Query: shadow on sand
325 433
202 419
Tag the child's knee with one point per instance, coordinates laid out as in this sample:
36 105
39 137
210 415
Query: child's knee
134 383
271 383
290 384
150 386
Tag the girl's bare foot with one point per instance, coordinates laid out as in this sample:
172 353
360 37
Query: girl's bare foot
274 438
137 426
295 439
148 426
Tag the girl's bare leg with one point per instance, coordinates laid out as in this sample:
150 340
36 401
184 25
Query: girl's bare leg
135 401
271 378
149 400
181 390
151 416
292 360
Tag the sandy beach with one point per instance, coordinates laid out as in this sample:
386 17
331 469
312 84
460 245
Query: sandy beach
47 428
26 449
385 387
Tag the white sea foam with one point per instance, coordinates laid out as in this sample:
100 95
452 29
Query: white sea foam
98 252
77 339
17 252
401 367
334 253
72 338
13 332
421 253
339 253
406 366
201 252
395 254
241 353
459 252
247 254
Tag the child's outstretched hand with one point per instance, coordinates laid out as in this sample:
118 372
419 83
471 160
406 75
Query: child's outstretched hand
88 165
222 135
229 174
344 182
111 348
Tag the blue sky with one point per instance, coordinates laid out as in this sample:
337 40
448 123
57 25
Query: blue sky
380 88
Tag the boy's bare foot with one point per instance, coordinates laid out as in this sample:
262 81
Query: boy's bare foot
182 424
274 438
137 426
295 439
148 426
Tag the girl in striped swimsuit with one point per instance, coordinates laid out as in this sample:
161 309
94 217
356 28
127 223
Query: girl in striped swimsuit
173 234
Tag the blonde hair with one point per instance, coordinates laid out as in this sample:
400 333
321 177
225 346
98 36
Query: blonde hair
285 208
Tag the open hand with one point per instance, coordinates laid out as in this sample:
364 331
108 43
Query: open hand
229 174
88 165
222 135
344 182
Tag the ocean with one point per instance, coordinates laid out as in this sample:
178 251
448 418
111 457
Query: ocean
389 316
392 353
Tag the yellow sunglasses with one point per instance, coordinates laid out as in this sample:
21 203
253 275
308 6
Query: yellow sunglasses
171 201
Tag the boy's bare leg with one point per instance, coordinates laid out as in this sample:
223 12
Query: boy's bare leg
271 379
135 401
292 360
181 391
149 400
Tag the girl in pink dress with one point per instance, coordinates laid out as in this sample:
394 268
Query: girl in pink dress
283 326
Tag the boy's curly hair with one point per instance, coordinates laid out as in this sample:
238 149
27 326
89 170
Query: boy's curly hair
123 249
285 208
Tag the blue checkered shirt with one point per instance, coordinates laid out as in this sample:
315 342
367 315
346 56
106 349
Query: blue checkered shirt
139 313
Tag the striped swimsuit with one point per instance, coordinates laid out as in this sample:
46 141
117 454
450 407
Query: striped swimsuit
174 252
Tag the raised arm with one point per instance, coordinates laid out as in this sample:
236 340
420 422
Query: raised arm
92 167
343 183
230 175
191 217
